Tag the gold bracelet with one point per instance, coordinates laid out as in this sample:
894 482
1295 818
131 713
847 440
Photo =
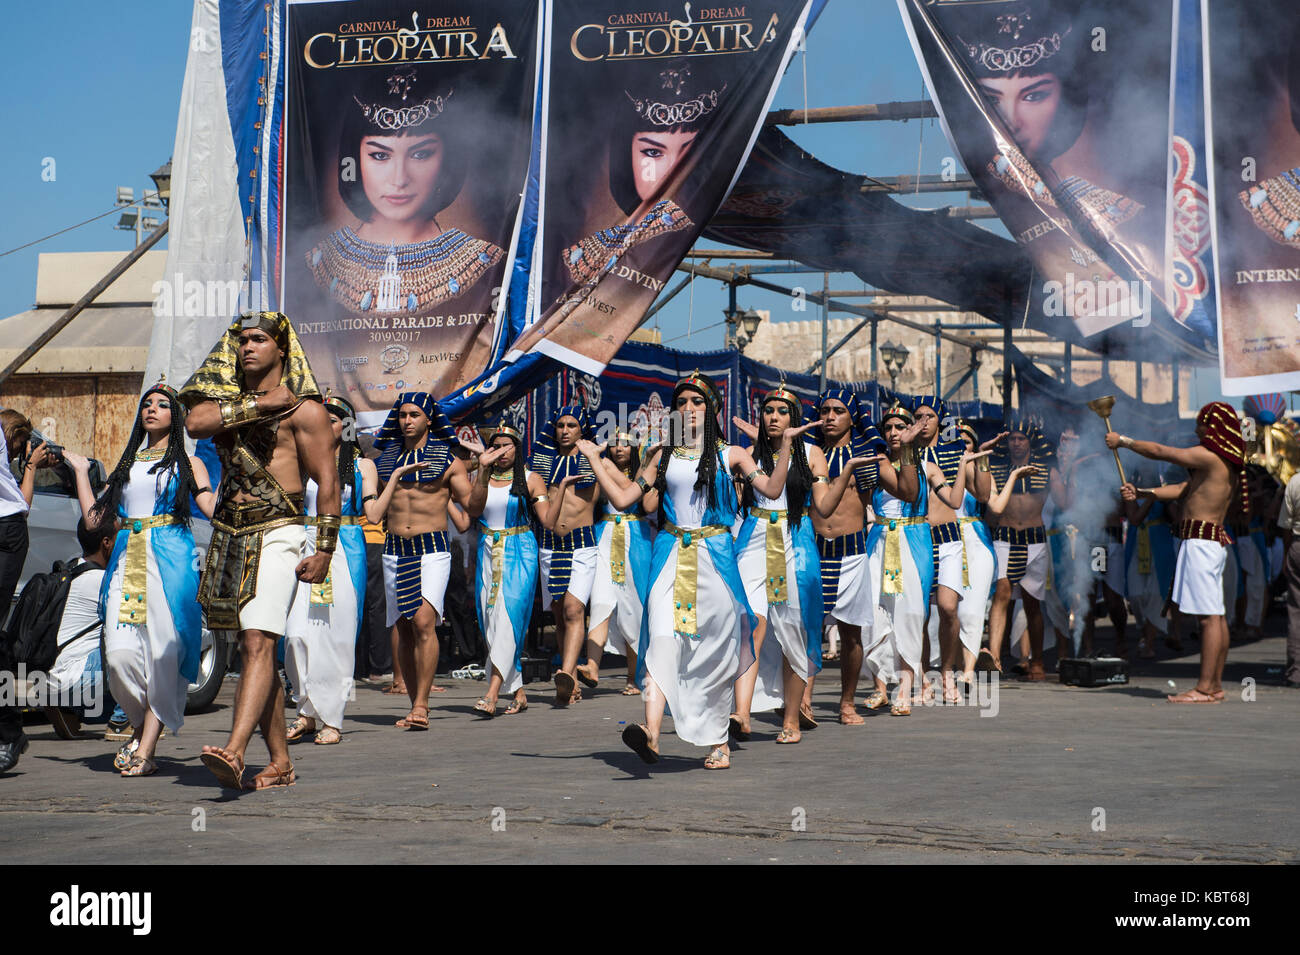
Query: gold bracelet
227 413
540 498
1125 441
327 538
983 465
821 479
643 484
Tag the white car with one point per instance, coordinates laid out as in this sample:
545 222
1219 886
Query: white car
52 536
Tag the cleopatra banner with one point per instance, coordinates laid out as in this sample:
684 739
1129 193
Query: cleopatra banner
1252 109
1060 112
649 113
407 134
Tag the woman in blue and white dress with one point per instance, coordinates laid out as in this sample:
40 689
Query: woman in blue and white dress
503 498
153 625
321 634
696 632
781 569
622 586
902 565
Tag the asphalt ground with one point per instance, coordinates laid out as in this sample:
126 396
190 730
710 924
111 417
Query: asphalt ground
1039 773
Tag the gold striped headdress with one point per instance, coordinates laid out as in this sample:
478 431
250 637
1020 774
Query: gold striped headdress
221 377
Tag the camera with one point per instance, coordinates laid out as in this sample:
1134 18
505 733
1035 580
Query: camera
54 451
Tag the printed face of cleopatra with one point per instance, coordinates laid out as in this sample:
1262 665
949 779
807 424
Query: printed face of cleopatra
835 419
156 414
1027 104
400 173
655 155
507 459
413 422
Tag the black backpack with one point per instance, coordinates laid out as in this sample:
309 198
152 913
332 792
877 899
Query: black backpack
34 625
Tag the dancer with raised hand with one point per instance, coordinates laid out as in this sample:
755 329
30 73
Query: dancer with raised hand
695 639
153 625
849 594
902 560
964 561
782 572
421 475
1020 540
255 396
568 552
320 642
1217 468
503 499
622 585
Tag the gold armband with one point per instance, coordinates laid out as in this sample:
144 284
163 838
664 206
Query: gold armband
540 498
821 479
1125 441
643 484
983 465
327 532
237 412
749 478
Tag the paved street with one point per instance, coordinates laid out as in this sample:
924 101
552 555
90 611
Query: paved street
1032 783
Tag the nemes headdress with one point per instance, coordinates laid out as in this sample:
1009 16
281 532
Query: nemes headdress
221 376
1223 436
866 439
554 467
440 429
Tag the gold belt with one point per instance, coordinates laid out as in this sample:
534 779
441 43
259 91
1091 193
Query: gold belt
775 550
135 567
684 586
345 520
618 545
255 527
498 556
893 577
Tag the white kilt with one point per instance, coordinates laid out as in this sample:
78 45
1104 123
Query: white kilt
1198 577
435 570
582 577
320 646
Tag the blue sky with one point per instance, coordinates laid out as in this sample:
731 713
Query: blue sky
106 116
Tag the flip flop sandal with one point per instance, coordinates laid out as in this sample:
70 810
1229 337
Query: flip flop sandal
806 720
299 728
329 736
737 730
412 721
1192 696
787 736
901 708
718 759
630 690
140 766
586 680
637 738
565 686
876 701
124 755
485 709
515 707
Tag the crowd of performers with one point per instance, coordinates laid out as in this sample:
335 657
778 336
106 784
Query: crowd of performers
716 569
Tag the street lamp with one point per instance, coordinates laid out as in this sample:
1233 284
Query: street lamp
742 326
136 215
162 180
895 357
1000 379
